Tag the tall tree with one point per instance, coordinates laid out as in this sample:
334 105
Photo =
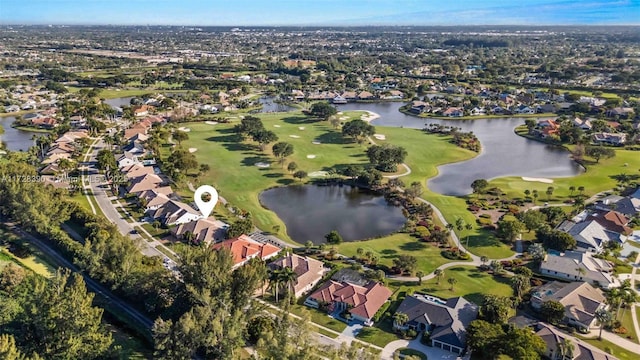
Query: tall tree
604 317
495 309
358 130
479 186
323 110
386 157
264 137
281 150
552 311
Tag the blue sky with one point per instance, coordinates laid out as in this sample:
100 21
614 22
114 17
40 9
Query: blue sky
320 12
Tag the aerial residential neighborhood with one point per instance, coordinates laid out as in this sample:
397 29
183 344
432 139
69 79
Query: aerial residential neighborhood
278 180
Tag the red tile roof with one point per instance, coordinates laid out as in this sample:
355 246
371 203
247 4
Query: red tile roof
365 300
244 248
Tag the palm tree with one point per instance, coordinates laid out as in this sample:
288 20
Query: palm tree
439 275
565 349
604 317
399 319
275 281
420 274
308 245
288 277
484 259
468 227
535 196
572 189
452 281
360 252
520 284
629 298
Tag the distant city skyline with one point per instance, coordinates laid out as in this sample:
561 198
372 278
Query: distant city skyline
320 12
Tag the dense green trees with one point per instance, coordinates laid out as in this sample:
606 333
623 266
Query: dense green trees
599 152
181 161
323 110
405 264
479 186
55 318
552 311
489 340
386 157
333 237
239 227
281 150
509 228
358 130
555 239
495 309
217 304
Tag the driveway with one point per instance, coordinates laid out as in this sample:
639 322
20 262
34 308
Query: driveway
431 352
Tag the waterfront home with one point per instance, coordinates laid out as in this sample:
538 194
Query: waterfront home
453 112
244 248
361 302
579 266
582 124
142 110
557 340
616 139
580 300
444 320
309 271
201 231
339 100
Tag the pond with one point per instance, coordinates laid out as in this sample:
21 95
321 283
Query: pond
503 152
16 140
312 211
119 102
270 104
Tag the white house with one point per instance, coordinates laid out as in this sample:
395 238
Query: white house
579 266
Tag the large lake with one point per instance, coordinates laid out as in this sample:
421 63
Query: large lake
503 152
312 211
16 140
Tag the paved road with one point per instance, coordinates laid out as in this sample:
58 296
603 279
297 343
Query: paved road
92 285
93 180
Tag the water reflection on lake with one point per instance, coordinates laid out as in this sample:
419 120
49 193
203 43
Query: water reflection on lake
311 211
503 152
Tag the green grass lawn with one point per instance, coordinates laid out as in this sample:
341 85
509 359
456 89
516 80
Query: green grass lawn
130 347
82 200
471 283
407 351
597 178
627 322
33 261
381 334
390 247
240 181
611 348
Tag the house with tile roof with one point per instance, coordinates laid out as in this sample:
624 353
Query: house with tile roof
244 248
579 266
174 212
144 182
309 271
612 220
201 231
581 350
590 235
444 320
136 170
362 302
580 300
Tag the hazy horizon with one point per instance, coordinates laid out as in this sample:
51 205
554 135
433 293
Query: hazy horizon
319 12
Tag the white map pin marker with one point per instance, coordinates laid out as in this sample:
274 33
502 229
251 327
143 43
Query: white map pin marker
206 207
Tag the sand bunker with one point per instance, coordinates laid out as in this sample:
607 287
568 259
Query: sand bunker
311 156
369 116
344 118
211 122
318 174
542 180
276 125
316 142
184 129
192 150
262 165
300 127
339 113
379 136
294 136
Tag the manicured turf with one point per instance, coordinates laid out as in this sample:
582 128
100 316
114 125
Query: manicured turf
627 323
597 178
34 261
471 284
612 349
381 334
407 351
390 247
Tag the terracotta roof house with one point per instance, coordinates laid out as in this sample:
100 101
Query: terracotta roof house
580 301
144 182
45 122
142 110
244 248
453 112
71 136
579 266
553 338
154 200
59 148
53 158
135 131
174 213
365 95
362 302
612 221
445 320
205 231
309 271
